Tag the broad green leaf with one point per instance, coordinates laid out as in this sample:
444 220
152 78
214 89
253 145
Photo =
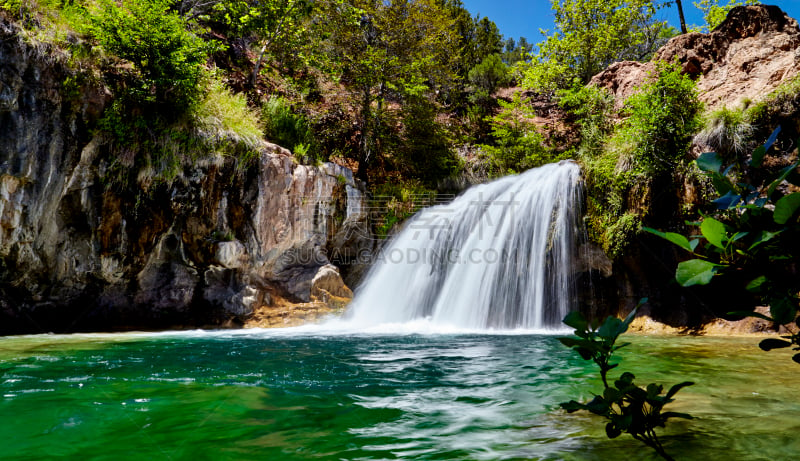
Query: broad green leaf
784 174
750 314
598 406
758 156
762 237
727 201
786 207
709 161
677 239
722 184
756 284
783 311
653 390
570 342
772 343
739 235
585 353
695 272
714 232
572 406
632 315
611 395
674 389
612 432
620 346
610 328
625 380
576 320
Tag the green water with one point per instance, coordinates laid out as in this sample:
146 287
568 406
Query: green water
284 396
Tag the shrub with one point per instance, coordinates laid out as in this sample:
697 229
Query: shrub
592 108
778 108
486 77
425 145
622 165
224 116
168 59
517 144
726 131
663 117
285 127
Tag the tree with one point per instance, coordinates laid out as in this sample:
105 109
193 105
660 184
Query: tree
714 13
276 25
516 51
591 34
476 38
387 50
680 14
168 58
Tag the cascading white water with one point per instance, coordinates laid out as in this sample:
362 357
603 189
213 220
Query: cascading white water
499 256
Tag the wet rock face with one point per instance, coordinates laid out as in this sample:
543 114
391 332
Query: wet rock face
213 246
750 54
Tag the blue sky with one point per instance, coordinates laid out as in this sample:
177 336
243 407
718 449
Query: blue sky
524 18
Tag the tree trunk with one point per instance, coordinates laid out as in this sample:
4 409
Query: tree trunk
363 145
680 13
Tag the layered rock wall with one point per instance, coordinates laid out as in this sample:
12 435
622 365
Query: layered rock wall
80 252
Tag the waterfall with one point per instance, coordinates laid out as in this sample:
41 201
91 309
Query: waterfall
497 257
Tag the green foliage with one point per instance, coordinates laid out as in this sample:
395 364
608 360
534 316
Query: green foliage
663 117
224 116
779 107
518 146
622 162
592 107
608 223
628 408
281 27
486 77
727 132
286 128
168 59
398 200
387 51
589 35
425 145
476 37
714 13
517 51
753 235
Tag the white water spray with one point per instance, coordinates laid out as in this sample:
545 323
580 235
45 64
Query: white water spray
498 257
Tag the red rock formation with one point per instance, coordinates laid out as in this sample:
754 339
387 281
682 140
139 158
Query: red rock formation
750 54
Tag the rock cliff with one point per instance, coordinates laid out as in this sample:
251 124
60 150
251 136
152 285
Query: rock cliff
218 244
750 54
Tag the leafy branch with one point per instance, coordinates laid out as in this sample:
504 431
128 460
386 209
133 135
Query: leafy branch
752 234
627 407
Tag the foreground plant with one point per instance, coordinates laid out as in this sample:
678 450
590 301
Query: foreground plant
627 407
751 238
